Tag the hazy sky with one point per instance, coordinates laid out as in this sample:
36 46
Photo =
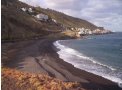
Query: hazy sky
106 13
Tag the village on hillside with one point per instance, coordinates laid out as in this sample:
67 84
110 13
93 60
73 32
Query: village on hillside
78 31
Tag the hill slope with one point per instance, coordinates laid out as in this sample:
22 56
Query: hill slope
17 24
69 21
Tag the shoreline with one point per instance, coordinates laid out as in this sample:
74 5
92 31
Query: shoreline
62 50
40 55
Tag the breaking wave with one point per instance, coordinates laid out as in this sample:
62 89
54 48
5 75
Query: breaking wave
88 64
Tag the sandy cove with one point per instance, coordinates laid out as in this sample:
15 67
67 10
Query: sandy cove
39 56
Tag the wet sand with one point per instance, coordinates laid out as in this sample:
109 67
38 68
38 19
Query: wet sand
39 56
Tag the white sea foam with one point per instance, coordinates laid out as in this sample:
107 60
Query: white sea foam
68 54
78 54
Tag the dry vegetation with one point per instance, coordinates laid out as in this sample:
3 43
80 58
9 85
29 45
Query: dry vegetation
16 80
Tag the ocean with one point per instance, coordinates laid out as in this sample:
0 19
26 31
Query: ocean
97 54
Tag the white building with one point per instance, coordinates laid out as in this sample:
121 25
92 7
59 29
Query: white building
30 10
90 32
24 9
96 31
54 20
42 17
72 28
27 9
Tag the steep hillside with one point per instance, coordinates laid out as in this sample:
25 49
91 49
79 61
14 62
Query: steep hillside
17 24
69 21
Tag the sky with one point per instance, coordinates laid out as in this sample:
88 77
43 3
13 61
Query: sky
106 13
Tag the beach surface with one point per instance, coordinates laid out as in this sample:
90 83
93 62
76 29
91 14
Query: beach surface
39 56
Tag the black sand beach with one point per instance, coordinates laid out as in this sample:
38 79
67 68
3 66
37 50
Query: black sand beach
39 56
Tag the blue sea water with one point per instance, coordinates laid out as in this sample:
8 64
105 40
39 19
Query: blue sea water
98 54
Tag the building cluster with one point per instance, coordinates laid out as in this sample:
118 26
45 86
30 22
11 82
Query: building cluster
79 31
84 31
27 10
96 31
99 31
40 16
